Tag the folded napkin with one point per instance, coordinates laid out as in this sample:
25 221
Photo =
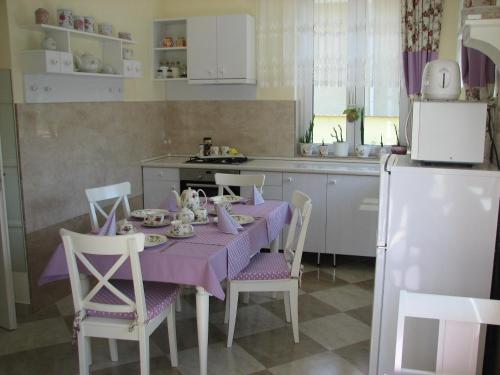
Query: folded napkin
256 197
225 222
170 203
109 227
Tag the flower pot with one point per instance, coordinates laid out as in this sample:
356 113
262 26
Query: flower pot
323 150
341 149
306 149
398 150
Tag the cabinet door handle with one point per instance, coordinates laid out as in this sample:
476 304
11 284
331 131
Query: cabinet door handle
160 174
332 182
53 61
289 179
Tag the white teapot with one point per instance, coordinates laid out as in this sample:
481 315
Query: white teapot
87 62
190 199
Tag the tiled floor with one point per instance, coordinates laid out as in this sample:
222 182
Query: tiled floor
334 313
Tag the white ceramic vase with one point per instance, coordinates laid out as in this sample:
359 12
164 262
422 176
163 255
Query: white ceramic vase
306 149
323 150
341 149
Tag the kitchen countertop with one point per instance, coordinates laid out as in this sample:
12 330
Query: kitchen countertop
352 166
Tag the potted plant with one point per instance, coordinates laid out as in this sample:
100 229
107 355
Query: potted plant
398 149
323 149
340 147
305 141
352 114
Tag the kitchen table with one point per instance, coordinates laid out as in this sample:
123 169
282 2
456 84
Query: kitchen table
204 260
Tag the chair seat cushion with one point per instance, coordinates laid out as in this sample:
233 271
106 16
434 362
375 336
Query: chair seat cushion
265 266
158 297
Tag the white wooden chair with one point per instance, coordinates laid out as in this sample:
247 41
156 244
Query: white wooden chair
119 309
225 180
450 359
95 195
275 272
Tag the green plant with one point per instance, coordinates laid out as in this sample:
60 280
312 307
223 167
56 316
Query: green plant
397 135
308 137
381 141
335 134
353 113
322 142
362 125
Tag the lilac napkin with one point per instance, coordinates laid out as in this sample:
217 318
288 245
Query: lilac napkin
109 227
256 197
170 203
225 222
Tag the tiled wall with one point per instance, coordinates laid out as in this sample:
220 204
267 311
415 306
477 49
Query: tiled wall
67 147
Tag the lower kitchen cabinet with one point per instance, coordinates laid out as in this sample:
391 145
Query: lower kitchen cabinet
158 182
313 185
352 214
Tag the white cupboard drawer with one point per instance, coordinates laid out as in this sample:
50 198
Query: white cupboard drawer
168 174
66 62
132 68
41 61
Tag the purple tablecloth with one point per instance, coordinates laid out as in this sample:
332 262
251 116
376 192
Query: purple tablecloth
204 260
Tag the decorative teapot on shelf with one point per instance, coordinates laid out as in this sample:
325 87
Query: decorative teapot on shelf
87 62
190 199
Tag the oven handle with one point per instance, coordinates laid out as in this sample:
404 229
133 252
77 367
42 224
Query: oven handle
201 185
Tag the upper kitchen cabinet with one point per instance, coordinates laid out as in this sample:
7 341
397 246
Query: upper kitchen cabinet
221 49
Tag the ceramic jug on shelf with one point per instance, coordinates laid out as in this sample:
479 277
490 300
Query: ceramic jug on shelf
190 199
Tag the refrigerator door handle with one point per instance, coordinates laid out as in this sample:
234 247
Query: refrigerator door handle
383 209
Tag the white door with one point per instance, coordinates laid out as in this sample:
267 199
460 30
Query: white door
7 304
232 47
313 185
202 47
352 215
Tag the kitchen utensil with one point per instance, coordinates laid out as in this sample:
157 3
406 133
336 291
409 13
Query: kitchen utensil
190 198
441 80
87 62
214 150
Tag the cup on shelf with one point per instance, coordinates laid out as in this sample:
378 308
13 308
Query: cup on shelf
65 18
41 16
128 53
88 24
105 29
168 42
224 150
214 150
79 23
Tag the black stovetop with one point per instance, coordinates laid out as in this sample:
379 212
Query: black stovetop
217 160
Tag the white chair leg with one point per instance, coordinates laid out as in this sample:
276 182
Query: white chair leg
178 301
172 337
88 348
113 350
233 307
294 311
83 356
246 297
144 351
226 314
286 299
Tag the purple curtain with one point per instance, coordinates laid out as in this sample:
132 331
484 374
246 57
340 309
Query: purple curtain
420 30
478 71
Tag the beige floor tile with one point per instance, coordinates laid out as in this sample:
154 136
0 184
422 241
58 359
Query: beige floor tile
65 306
363 313
326 363
345 297
336 331
353 272
250 319
318 280
35 334
309 308
221 360
158 366
273 348
357 354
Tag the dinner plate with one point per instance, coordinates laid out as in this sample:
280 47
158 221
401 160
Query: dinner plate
154 239
241 219
226 199
156 224
141 214
173 235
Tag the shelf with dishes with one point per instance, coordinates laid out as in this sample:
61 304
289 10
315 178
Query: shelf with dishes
170 50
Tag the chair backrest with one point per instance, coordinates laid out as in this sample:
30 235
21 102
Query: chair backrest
225 180
443 308
78 247
294 245
98 194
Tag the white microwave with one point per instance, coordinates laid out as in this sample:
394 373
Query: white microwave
449 131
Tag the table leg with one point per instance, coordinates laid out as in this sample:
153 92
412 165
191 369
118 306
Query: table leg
275 244
202 309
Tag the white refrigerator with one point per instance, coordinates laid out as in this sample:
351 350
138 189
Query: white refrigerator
436 234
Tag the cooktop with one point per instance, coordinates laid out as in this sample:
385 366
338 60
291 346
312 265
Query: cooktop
217 159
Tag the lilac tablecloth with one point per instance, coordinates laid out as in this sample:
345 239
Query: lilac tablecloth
204 260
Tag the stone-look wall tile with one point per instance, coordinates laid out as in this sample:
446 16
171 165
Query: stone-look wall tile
41 244
264 128
68 147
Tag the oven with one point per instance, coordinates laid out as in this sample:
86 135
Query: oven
203 179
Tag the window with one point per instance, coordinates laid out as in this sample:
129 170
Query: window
357 64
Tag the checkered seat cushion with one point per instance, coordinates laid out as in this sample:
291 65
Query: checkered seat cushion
158 297
265 266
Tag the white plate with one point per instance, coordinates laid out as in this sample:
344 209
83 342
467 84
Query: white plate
156 224
200 222
226 198
154 239
141 214
241 219
173 235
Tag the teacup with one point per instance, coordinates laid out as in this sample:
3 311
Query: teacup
180 229
214 150
154 219
125 227
201 214
224 150
363 151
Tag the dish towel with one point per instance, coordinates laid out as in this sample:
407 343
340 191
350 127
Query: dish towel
256 197
170 203
225 222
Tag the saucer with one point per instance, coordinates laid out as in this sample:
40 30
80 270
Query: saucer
151 240
141 214
156 224
174 235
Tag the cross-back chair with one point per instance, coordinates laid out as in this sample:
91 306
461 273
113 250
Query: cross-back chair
225 180
104 193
